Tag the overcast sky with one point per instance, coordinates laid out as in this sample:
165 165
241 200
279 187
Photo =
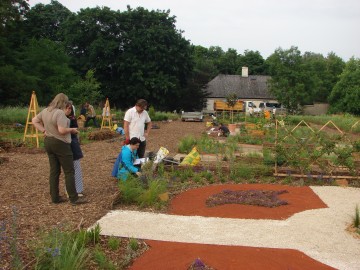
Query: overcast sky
319 26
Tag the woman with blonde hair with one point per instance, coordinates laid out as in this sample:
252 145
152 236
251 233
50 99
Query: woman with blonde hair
53 122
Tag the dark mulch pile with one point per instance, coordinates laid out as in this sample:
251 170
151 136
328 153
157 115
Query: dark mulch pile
266 198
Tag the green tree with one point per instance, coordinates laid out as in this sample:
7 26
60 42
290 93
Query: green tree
289 81
254 61
46 21
87 89
46 62
136 54
345 96
228 62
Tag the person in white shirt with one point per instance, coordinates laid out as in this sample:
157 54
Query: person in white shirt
134 125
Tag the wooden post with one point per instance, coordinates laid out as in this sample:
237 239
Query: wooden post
29 127
106 116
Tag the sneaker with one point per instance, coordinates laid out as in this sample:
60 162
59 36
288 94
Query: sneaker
81 195
80 200
60 200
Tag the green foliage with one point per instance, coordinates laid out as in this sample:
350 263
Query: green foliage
94 234
345 97
114 243
186 144
102 261
150 196
133 191
87 89
356 221
61 250
134 244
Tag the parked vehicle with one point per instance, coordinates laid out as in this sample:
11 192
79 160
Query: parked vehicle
269 106
192 116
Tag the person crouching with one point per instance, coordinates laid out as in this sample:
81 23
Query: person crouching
128 156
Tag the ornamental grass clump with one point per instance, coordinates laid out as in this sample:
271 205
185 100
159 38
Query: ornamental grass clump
265 198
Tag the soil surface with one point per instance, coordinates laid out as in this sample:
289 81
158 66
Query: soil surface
25 202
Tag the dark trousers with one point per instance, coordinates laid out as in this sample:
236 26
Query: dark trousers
60 156
141 149
91 118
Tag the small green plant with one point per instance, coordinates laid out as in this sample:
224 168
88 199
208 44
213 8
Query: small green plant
186 144
102 261
114 243
356 220
133 244
150 196
94 234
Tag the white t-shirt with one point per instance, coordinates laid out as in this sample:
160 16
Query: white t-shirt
137 122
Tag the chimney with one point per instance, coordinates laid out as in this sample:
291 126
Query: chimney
245 72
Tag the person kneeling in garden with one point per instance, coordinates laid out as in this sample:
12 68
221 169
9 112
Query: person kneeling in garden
124 164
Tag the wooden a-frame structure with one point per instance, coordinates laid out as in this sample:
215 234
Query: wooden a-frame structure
106 121
30 131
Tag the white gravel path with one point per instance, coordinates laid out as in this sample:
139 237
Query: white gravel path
318 233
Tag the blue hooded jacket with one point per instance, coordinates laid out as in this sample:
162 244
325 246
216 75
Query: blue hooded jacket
124 163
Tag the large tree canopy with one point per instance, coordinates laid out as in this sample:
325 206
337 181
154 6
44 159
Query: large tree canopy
136 54
345 96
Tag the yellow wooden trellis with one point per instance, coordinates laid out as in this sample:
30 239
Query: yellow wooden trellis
30 131
106 117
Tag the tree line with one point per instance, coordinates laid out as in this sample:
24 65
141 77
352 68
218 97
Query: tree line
137 53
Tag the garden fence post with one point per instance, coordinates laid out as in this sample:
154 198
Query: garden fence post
29 127
106 117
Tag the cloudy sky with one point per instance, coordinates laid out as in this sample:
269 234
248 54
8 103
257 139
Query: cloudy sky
319 26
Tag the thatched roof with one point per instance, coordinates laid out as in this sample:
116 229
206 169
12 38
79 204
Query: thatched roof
251 87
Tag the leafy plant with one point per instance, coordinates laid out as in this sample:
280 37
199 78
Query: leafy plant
102 261
133 244
114 243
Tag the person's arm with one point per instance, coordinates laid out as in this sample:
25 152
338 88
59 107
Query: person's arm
126 129
147 130
38 124
66 130
128 161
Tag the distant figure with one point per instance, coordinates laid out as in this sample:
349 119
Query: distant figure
90 114
106 111
223 130
251 111
83 111
274 112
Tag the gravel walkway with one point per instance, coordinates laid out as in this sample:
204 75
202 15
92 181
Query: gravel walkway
318 233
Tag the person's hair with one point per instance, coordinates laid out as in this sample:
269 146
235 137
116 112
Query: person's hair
69 104
59 102
142 103
134 141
